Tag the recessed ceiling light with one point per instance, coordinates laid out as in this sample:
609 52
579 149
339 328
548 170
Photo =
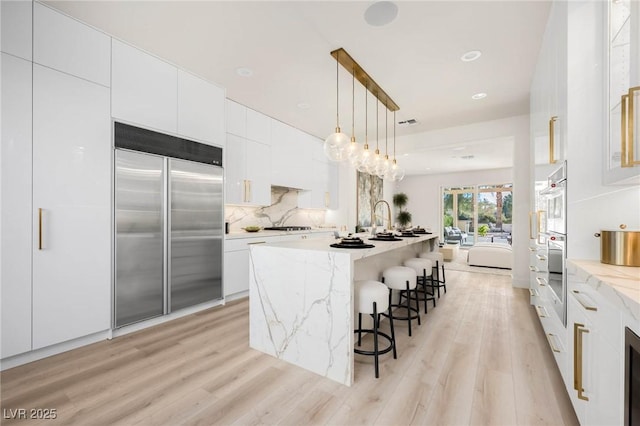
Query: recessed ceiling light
244 72
477 96
467 157
304 105
459 148
381 13
471 55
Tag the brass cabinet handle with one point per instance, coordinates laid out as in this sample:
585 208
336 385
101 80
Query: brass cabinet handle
624 128
539 213
541 257
257 242
582 302
539 310
533 249
550 338
327 199
533 292
244 191
533 269
541 281
630 124
250 195
39 229
552 145
530 227
578 331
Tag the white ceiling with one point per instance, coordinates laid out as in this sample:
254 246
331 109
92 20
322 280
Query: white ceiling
415 59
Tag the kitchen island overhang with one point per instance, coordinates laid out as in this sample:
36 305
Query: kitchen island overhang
301 298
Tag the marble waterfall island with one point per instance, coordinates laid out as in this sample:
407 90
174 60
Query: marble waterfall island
301 298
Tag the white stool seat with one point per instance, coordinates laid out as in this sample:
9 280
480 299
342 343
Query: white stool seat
432 255
422 267
396 277
368 292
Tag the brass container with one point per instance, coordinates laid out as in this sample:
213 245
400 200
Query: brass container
620 247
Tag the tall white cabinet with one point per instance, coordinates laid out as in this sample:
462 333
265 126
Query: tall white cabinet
71 207
56 171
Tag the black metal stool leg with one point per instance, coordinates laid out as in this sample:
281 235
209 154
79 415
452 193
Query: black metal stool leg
393 333
409 307
415 292
376 322
359 328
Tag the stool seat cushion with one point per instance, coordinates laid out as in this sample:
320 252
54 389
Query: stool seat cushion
421 266
396 277
432 255
367 292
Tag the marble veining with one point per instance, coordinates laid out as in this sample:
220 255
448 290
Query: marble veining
283 211
619 285
301 299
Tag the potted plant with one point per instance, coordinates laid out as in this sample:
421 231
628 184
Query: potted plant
482 230
400 201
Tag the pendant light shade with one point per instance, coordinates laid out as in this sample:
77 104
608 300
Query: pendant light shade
336 144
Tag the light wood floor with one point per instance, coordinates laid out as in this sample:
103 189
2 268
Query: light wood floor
479 358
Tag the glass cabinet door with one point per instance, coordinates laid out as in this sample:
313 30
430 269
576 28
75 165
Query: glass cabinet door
623 149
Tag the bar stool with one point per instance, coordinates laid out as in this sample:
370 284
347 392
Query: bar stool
424 277
372 297
403 279
438 259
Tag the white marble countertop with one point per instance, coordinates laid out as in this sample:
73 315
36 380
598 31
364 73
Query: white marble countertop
324 244
623 280
265 234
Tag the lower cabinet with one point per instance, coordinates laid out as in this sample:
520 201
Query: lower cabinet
595 357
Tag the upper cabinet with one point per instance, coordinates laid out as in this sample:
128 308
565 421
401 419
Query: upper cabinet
144 89
549 91
622 154
200 109
67 45
16 28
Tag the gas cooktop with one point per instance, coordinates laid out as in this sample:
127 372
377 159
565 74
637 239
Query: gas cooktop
287 228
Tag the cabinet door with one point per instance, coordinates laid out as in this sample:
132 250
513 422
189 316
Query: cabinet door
258 127
236 272
200 109
71 186
258 173
234 170
144 89
67 45
16 28
236 119
16 206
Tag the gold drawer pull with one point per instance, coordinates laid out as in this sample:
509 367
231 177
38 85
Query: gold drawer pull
541 257
257 242
541 311
533 292
550 339
578 297
578 331
552 133
541 281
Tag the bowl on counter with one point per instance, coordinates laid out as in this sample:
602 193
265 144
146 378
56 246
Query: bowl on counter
252 228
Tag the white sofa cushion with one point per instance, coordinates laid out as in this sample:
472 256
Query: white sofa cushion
493 255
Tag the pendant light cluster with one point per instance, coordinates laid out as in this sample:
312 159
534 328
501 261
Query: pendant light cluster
339 147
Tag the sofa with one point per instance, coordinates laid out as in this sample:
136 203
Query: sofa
454 234
492 255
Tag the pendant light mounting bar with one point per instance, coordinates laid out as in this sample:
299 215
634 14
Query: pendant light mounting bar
365 79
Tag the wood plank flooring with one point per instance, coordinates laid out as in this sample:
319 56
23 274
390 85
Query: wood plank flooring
479 358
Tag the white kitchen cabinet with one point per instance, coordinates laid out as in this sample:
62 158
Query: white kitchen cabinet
16 205
247 173
144 89
16 28
236 119
290 156
71 207
67 45
201 108
258 127
595 337
549 91
236 271
623 83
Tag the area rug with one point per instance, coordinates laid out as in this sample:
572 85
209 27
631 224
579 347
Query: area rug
460 264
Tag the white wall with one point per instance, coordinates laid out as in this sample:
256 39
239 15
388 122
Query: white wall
424 191
591 206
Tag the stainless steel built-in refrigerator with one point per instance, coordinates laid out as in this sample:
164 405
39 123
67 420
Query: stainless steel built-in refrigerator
168 225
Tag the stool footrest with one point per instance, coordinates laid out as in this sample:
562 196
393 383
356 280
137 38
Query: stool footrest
416 316
380 351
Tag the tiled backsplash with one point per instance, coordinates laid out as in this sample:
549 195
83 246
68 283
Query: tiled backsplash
282 211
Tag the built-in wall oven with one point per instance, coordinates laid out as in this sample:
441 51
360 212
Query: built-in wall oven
556 238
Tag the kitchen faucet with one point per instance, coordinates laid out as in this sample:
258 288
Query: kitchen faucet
373 216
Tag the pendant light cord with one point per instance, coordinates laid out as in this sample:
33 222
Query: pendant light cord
337 93
394 135
386 131
366 117
353 105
